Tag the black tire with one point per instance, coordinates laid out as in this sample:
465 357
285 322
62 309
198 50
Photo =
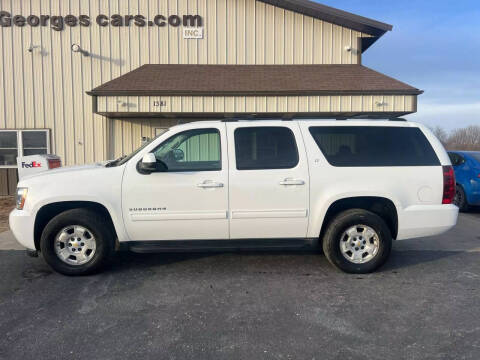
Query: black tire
97 224
461 199
350 218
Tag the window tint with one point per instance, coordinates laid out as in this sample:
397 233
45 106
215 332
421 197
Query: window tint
265 148
191 150
456 159
374 146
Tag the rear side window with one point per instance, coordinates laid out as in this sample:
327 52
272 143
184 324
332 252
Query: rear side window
374 146
456 159
266 147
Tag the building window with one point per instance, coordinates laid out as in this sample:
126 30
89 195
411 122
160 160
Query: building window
15 143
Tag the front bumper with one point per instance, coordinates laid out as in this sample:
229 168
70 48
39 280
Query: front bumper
22 223
426 220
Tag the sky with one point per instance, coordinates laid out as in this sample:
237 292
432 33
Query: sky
434 46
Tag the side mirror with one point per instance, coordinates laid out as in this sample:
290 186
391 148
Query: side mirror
150 164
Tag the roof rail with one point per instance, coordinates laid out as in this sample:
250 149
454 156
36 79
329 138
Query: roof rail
293 117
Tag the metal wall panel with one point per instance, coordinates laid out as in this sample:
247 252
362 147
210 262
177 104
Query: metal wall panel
257 104
45 88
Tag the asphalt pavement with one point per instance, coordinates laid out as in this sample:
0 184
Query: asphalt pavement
423 304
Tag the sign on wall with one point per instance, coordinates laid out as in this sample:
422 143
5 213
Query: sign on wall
192 33
59 23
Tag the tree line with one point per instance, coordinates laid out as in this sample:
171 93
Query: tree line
467 138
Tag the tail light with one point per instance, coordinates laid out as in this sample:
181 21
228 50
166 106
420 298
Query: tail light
448 185
54 163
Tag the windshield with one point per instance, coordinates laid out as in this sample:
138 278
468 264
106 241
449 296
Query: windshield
123 159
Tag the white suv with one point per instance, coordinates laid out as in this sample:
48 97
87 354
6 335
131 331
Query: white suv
349 186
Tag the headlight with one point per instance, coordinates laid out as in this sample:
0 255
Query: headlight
21 197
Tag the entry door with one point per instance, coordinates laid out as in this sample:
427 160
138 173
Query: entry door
268 180
190 200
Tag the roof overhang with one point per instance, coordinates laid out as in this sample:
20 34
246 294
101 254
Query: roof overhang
253 80
332 15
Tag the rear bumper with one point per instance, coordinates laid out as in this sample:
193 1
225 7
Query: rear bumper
21 223
426 220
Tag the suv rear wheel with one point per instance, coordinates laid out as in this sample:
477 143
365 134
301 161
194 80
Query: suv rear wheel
357 241
77 242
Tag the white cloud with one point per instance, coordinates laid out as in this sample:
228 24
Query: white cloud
449 116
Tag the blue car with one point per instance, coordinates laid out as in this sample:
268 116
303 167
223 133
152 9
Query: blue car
467 174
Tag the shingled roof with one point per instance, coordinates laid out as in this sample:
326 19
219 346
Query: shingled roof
274 80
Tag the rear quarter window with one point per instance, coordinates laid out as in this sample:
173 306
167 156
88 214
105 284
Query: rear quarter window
355 146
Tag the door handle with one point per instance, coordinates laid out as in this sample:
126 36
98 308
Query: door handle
210 184
290 181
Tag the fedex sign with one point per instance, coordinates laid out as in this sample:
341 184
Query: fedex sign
33 164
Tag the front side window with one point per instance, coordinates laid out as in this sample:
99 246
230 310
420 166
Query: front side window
353 146
15 143
191 150
265 147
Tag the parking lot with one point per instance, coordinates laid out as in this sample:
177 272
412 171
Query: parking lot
423 304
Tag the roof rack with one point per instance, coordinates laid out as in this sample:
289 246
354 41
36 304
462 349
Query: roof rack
292 117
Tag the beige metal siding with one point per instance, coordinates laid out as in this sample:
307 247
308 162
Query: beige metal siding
8 181
257 104
46 88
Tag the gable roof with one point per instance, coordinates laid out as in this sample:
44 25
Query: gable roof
253 80
332 15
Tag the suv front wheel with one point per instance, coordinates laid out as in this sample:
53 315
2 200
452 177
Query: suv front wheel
77 242
357 241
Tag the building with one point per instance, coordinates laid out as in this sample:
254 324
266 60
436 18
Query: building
88 79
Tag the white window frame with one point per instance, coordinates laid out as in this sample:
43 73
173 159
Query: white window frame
20 143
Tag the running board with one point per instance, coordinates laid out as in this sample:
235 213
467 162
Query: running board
219 245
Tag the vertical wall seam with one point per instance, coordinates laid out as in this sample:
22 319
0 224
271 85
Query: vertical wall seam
33 77
23 69
91 84
43 82
3 76
63 97
73 93
13 75
82 96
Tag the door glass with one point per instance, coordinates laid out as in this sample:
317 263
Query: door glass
350 146
191 150
265 147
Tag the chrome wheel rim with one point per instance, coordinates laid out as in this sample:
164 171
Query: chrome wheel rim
75 245
359 244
